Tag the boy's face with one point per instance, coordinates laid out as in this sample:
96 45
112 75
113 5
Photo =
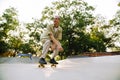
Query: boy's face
56 22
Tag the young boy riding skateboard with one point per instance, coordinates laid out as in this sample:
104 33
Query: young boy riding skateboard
50 39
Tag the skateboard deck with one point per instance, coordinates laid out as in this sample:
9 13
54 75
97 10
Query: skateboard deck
43 65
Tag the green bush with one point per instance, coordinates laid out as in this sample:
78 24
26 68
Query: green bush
3 47
26 48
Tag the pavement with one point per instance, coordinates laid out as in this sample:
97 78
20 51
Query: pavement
74 68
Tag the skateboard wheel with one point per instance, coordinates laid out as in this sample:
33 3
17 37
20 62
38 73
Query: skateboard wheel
41 65
53 65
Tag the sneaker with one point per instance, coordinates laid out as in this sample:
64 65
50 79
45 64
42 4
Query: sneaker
42 61
53 61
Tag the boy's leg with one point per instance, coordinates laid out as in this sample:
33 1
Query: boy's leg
55 49
46 47
54 54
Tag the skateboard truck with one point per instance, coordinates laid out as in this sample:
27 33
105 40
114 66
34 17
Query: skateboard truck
53 65
41 65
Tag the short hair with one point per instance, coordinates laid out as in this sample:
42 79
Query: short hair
57 17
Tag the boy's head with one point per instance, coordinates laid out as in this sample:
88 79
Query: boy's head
56 21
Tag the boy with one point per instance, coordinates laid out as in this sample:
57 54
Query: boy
50 39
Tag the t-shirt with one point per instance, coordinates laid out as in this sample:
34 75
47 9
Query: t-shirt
57 32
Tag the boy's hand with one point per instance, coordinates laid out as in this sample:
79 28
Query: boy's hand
56 42
50 34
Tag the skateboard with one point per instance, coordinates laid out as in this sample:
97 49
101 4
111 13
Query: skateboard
43 65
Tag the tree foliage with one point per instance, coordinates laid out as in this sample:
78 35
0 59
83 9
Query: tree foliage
75 16
8 21
26 48
3 47
115 29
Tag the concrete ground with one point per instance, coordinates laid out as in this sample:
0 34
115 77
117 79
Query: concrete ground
87 68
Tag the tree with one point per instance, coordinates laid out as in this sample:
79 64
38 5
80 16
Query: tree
35 30
75 16
26 48
8 22
99 38
3 47
15 43
114 29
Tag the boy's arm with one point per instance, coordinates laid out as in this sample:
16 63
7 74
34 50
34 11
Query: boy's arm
53 39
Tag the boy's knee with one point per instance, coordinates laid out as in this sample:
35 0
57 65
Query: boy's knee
61 49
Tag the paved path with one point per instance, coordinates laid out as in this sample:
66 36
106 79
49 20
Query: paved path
90 68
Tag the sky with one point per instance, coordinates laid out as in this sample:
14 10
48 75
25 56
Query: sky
28 9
